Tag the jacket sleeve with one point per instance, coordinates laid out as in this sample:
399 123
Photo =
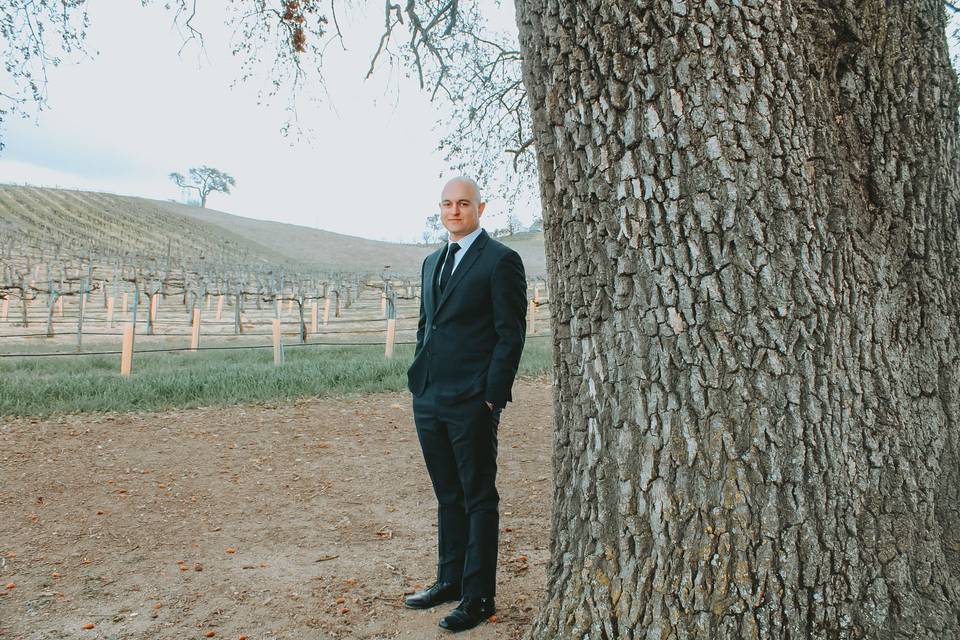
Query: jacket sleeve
508 287
422 322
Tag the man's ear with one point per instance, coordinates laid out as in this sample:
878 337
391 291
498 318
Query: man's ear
483 205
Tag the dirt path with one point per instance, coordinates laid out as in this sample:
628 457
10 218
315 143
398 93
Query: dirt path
307 520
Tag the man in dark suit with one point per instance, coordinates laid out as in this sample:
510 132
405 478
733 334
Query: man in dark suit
469 340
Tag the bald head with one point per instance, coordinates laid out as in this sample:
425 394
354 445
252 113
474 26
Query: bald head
467 182
461 207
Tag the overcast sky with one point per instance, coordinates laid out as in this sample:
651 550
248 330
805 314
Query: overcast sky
122 119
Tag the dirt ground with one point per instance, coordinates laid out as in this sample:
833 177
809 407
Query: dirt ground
302 520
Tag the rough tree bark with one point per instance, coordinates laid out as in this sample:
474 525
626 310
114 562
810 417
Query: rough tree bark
751 218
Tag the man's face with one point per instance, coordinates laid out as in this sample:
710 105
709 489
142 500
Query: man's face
460 209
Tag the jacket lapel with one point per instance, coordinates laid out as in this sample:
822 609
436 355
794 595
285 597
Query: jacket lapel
429 286
468 260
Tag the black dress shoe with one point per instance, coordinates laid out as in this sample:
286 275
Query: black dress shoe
468 614
437 593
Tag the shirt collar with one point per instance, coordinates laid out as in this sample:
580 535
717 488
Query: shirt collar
467 240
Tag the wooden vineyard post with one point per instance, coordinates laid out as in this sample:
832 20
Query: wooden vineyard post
383 304
135 308
391 336
390 310
532 316
150 308
219 306
303 324
313 317
110 311
195 335
209 300
124 303
277 345
326 311
59 306
290 305
5 309
237 310
50 308
279 307
83 305
154 305
536 293
126 356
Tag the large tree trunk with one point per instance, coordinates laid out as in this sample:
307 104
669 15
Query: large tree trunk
751 218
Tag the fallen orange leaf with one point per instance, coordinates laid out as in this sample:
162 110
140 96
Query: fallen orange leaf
89 625
210 634
231 550
56 574
11 585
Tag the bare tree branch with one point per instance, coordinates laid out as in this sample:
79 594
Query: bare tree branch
474 72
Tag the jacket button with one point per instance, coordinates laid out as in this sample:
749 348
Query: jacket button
434 327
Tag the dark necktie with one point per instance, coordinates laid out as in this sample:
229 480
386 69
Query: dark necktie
448 265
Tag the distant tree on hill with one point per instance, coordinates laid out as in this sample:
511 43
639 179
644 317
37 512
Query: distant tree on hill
513 224
434 231
204 180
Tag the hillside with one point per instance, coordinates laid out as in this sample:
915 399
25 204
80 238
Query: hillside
81 220
315 246
74 222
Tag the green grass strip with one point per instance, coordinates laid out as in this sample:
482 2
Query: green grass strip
59 385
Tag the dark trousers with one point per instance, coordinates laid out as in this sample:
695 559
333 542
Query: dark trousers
459 443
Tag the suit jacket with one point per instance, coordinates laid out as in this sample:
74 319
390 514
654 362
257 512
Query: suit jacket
469 340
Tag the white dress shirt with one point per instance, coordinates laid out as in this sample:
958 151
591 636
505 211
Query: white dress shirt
464 243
